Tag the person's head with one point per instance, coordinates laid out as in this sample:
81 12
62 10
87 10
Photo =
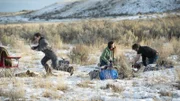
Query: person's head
111 45
135 47
36 37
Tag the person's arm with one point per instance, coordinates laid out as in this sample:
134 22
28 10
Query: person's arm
137 58
103 57
144 61
34 47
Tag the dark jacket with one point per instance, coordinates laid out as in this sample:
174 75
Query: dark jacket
146 52
43 45
45 48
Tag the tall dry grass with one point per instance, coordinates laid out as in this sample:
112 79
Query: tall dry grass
48 84
79 54
153 32
114 88
51 94
85 84
92 31
123 66
14 93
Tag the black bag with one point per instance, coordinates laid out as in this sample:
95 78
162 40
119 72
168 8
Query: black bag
62 65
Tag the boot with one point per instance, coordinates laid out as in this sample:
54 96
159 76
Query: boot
48 70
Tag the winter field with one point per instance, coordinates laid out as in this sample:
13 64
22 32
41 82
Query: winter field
82 42
148 86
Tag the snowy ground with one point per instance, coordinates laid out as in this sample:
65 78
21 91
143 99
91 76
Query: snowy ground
148 86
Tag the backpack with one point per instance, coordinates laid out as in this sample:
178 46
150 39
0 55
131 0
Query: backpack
62 65
94 74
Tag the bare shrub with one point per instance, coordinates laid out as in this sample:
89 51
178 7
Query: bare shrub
55 40
61 86
115 88
123 67
164 52
165 93
79 54
128 38
51 94
176 45
91 32
40 83
7 72
85 84
15 93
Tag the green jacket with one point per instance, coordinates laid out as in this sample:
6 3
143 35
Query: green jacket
106 55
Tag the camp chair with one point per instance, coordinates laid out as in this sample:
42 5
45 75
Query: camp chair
7 62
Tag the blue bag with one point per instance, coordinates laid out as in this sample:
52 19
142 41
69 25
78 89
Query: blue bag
108 74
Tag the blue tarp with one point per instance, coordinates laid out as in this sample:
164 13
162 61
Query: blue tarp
108 74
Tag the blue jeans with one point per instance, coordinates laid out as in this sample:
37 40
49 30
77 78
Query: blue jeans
150 60
153 60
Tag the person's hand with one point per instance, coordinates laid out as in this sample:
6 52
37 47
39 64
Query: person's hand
110 60
133 63
109 63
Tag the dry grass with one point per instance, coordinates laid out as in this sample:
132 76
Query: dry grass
165 51
123 67
91 61
85 84
114 88
79 54
7 73
157 80
94 32
177 73
40 83
51 94
13 94
97 98
48 84
176 45
91 36
164 93
61 86
17 92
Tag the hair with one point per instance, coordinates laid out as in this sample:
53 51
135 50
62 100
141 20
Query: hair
135 46
110 44
37 35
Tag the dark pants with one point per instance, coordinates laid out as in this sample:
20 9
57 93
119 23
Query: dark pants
150 60
103 63
50 56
